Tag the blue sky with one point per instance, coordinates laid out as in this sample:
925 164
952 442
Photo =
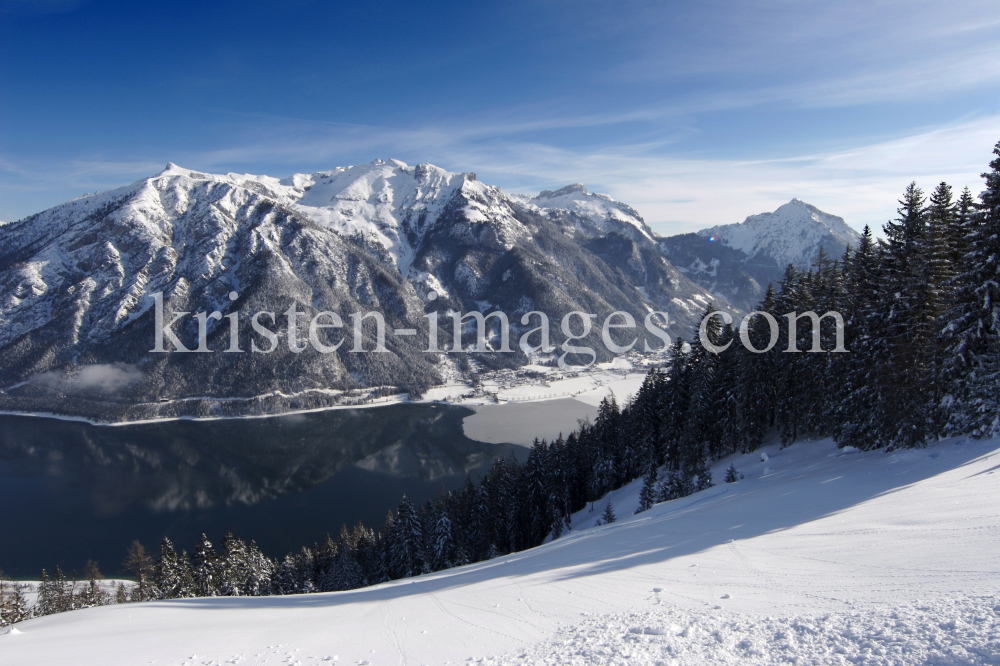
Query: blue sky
697 113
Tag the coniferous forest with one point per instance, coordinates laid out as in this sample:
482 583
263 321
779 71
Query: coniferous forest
921 314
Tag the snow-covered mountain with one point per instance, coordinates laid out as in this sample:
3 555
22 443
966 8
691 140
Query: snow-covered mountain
737 261
792 234
591 214
76 313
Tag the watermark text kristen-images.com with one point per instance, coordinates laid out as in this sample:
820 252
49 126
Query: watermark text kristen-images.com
264 321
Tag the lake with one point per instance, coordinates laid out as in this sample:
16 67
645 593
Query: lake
72 491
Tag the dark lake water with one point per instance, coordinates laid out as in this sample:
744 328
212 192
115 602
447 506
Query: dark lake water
72 491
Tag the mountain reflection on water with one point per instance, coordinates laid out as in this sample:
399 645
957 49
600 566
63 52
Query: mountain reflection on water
73 491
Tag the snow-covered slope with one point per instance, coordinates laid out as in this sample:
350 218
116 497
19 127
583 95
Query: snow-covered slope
393 203
590 213
818 556
792 234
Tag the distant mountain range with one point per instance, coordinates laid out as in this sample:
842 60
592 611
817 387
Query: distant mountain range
738 261
76 313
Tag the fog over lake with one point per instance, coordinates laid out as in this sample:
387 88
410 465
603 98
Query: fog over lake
521 422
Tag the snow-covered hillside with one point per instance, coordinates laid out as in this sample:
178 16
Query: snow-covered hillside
592 214
792 234
818 556
392 202
396 204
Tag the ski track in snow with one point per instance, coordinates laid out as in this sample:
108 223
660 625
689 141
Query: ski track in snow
831 557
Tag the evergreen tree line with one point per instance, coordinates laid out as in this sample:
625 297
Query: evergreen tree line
921 323
57 594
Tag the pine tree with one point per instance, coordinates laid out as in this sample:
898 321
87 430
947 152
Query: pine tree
675 401
259 572
407 539
305 571
608 516
325 565
830 296
973 329
965 223
799 403
347 572
700 434
906 309
235 567
937 300
14 605
537 477
732 474
858 417
753 388
428 517
205 569
381 567
45 601
677 485
442 540
645 419
91 595
284 580
559 508
647 496
54 594
169 580
704 481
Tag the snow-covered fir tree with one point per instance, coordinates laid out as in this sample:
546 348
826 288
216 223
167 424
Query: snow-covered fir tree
608 515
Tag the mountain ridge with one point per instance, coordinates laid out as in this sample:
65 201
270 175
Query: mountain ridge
738 261
78 279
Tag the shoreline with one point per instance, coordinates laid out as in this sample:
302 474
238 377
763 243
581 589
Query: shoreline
549 395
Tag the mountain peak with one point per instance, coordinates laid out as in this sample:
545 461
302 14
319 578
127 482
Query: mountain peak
563 191
792 234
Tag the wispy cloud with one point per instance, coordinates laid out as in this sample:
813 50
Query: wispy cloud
816 53
675 193
678 194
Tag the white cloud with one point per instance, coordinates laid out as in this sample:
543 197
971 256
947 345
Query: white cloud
674 193
678 195
817 54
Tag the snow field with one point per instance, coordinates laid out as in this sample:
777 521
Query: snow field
832 557
962 631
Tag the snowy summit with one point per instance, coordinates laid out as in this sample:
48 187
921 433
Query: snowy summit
792 234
